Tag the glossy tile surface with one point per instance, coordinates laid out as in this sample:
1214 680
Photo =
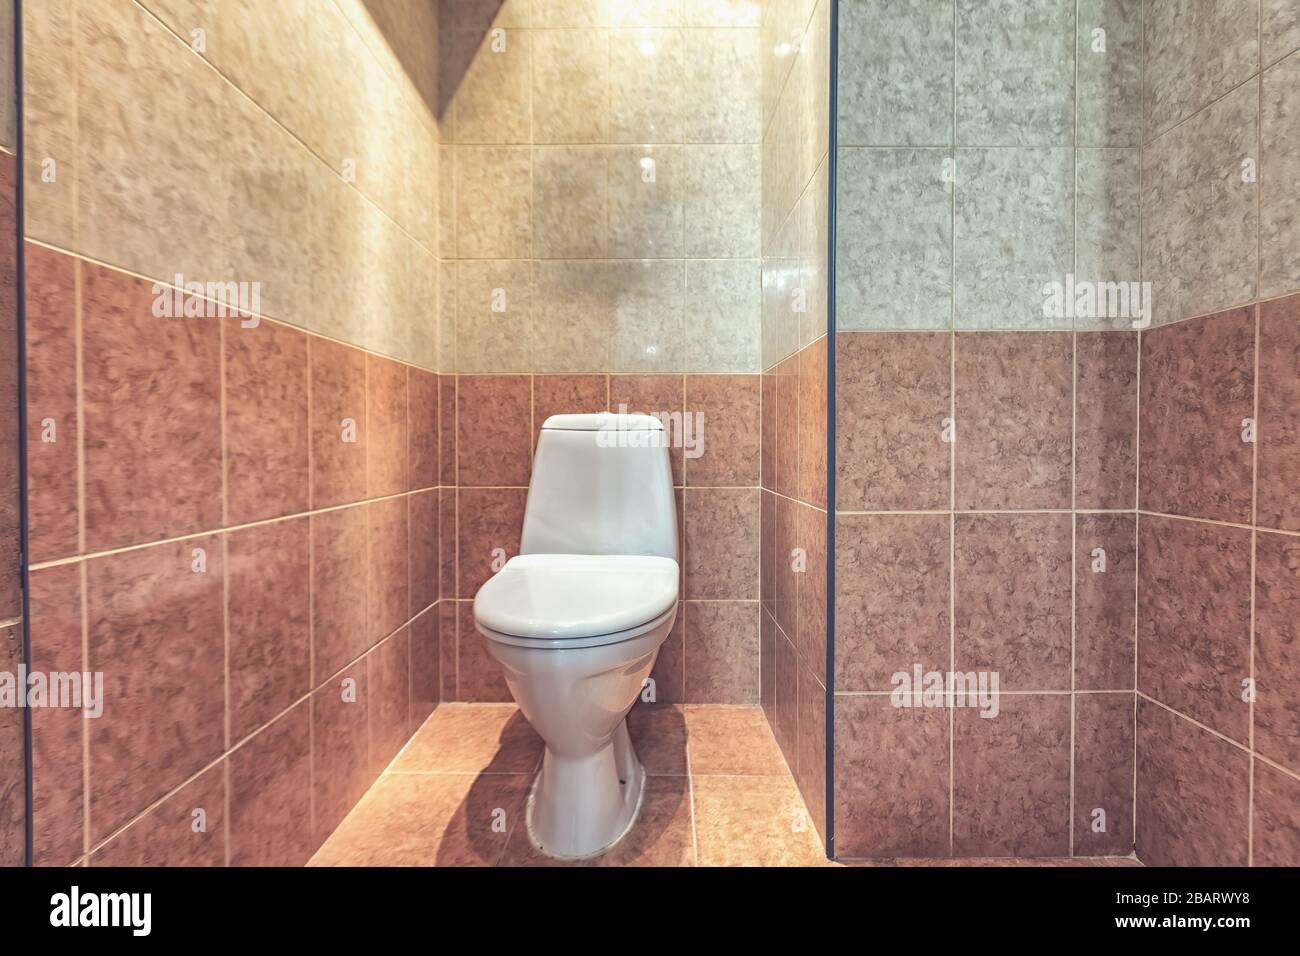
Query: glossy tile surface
718 793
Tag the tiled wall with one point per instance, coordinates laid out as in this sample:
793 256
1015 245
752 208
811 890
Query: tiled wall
236 521
203 536
12 777
796 84
600 185
308 160
601 239
1218 770
985 450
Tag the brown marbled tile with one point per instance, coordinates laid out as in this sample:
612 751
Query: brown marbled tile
810 621
767 636
267 426
480 678
812 747
1277 649
448 542
429 820
340 752
1012 598
1105 435
785 589
447 430
11 452
722 652
1015 393
388 543
388 679
1011 778
787 427
269 630
54 605
13 790
422 410
661 836
1279 418
893 391
448 626
660 395
669 672
339 431
156 631
270 794
891 597
1192 793
338 583
423 560
786 725
722 541
813 385
724 417
386 416
659 737
186 829
1277 817
1105 595
51 331
767 430
1103 774
473 739
731 741
151 413
1194 620
490 522
494 430
1198 385
891 779
753 821
567 395
767 550
426 666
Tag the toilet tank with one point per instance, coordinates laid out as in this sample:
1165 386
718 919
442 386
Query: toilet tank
601 484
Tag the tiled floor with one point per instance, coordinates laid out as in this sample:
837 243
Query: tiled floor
718 793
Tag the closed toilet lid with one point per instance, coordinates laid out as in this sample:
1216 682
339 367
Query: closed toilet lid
576 595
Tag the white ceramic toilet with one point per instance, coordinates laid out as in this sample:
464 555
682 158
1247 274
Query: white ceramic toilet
577 618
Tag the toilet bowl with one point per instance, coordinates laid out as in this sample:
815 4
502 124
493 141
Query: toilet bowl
577 619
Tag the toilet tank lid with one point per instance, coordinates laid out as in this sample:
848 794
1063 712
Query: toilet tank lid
600 421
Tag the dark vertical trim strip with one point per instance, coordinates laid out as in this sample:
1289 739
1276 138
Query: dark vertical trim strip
21 358
832 179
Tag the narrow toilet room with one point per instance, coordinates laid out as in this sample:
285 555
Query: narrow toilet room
845 434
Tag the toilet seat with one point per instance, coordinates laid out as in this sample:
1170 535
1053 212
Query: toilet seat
576 600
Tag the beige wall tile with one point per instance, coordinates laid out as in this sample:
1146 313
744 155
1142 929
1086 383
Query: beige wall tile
723 314
494 218
570 86
722 196
493 316
570 189
645 86
648 315
645 202
572 315
722 86
490 76
50 105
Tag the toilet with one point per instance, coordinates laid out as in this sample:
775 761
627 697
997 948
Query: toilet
577 618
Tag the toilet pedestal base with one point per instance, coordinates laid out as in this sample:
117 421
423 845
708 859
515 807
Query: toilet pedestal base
581 806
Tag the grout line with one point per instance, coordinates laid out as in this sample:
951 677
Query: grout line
294 137
163 284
